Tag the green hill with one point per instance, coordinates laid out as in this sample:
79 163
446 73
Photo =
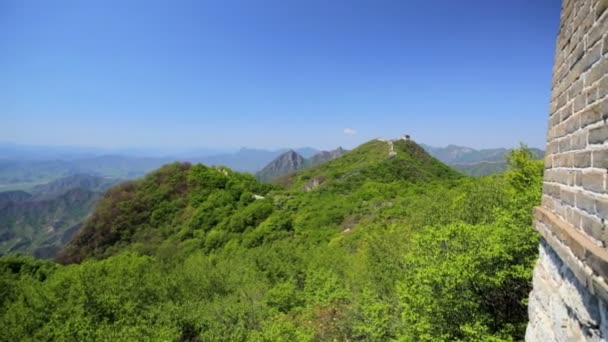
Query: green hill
373 161
391 244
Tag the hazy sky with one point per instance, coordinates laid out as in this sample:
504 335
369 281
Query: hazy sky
272 73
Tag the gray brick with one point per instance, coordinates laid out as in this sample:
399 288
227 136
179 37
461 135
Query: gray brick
572 124
578 178
548 162
597 71
594 181
576 89
600 159
584 202
579 103
565 112
601 207
602 89
597 31
563 160
565 145
562 100
591 56
579 141
582 159
601 8
598 265
568 197
552 147
551 190
592 226
573 217
591 95
591 115
598 135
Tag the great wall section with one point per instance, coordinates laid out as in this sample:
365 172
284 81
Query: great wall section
569 301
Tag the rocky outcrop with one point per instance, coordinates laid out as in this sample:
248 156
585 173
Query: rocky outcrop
314 183
291 161
286 163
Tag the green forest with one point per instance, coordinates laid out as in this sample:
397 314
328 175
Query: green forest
367 247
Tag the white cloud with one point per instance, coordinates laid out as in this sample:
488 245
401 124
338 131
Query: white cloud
349 131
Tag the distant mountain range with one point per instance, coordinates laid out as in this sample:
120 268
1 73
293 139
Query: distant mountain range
252 160
291 161
22 168
475 162
41 221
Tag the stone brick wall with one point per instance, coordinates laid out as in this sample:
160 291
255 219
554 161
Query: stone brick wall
573 217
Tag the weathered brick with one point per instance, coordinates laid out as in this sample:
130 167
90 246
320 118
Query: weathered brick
567 196
579 103
582 159
564 160
579 140
592 226
575 58
552 147
572 124
552 107
551 190
594 181
578 178
590 115
598 135
601 8
563 113
597 31
591 95
547 202
554 119
585 202
601 208
565 145
597 264
548 162
597 71
602 89
590 58
562 100
576 89
600 159
572 216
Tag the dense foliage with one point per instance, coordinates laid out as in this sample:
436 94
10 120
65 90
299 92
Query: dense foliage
384 248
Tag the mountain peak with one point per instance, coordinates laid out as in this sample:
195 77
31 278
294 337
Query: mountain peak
287 162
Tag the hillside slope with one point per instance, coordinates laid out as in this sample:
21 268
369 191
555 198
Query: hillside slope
174 204
41 222
376 160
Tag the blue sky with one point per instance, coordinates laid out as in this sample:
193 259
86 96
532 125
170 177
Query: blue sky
275 73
